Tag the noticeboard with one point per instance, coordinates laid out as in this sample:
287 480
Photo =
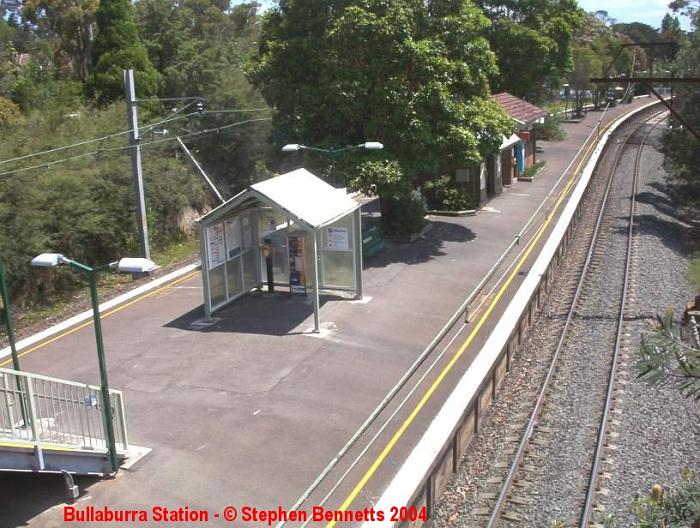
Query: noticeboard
338 239
215 245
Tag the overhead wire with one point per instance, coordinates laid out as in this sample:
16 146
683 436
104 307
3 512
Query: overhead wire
103 138
199 133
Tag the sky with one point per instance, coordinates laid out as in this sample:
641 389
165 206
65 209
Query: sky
647 11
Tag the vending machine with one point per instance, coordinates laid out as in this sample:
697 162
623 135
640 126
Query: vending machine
297 273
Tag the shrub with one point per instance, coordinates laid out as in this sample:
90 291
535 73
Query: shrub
551 129
402 207
445 194
532 170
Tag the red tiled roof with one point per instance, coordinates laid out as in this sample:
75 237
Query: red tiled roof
519 109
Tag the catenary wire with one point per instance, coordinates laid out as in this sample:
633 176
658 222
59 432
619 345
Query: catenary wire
200 133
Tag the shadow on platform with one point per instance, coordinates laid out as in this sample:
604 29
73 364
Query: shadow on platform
276 314
26 495
429 246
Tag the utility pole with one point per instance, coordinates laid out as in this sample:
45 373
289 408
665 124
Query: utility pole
134 141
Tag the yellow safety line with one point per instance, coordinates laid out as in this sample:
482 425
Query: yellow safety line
45 447
407 422
106 314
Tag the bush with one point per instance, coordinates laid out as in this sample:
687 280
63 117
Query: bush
445 194
402 207
551 129
532 170
403 215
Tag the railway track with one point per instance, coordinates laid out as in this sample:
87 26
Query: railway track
559 455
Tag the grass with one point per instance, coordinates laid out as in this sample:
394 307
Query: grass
695 271
531 171
63 304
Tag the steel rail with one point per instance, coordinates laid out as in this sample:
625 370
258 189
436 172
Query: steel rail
602 431
527 435
463 308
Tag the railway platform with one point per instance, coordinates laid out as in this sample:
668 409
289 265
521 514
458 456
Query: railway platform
248 412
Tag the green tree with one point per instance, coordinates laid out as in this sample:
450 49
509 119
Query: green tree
70 26
533 40
199 46
682 147
412 75
117 47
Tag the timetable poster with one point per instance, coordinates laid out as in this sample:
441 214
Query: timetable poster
215 245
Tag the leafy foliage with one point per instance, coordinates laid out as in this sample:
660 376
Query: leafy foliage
551 129
84 208
424 95
533 40
402 207
116 48
445 194
671 510
666 359
682 147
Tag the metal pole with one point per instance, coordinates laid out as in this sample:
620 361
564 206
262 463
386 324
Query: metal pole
11 337
134 141
8 315
201 170
317 325
104 384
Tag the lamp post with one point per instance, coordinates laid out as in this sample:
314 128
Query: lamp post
333 152
125 265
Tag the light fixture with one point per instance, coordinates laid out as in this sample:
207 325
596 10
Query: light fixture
48 260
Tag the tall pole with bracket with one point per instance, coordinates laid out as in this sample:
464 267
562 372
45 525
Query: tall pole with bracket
134 141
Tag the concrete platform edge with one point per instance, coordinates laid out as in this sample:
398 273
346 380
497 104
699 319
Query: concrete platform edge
415 482
84 316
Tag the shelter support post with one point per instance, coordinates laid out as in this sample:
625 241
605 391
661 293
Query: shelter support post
205 272
357 221
317 325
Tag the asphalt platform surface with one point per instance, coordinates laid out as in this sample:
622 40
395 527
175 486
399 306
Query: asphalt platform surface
249 411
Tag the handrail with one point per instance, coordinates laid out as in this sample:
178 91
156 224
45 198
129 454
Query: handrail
45 411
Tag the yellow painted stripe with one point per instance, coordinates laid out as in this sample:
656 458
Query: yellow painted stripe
409 420
106 314
45 447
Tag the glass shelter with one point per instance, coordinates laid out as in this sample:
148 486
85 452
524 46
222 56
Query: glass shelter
303 230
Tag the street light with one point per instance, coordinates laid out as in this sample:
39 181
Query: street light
125 265
333 152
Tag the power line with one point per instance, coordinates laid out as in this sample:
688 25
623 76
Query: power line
88 141
121 133
199 133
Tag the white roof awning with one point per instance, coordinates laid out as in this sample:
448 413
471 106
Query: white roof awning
305 197
509 141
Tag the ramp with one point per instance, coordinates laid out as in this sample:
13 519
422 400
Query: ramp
50 425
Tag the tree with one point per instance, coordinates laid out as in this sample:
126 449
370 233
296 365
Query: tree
70 25
412 75
118 47
681 146
533 41
667 359
199 47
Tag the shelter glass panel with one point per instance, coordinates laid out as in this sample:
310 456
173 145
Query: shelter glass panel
217 285
233 276
337 258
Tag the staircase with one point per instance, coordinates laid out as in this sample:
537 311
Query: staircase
52 425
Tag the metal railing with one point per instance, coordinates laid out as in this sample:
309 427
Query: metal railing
44 411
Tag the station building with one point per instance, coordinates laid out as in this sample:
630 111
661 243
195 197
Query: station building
516 153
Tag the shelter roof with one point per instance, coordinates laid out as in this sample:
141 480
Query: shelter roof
306 198
519 109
